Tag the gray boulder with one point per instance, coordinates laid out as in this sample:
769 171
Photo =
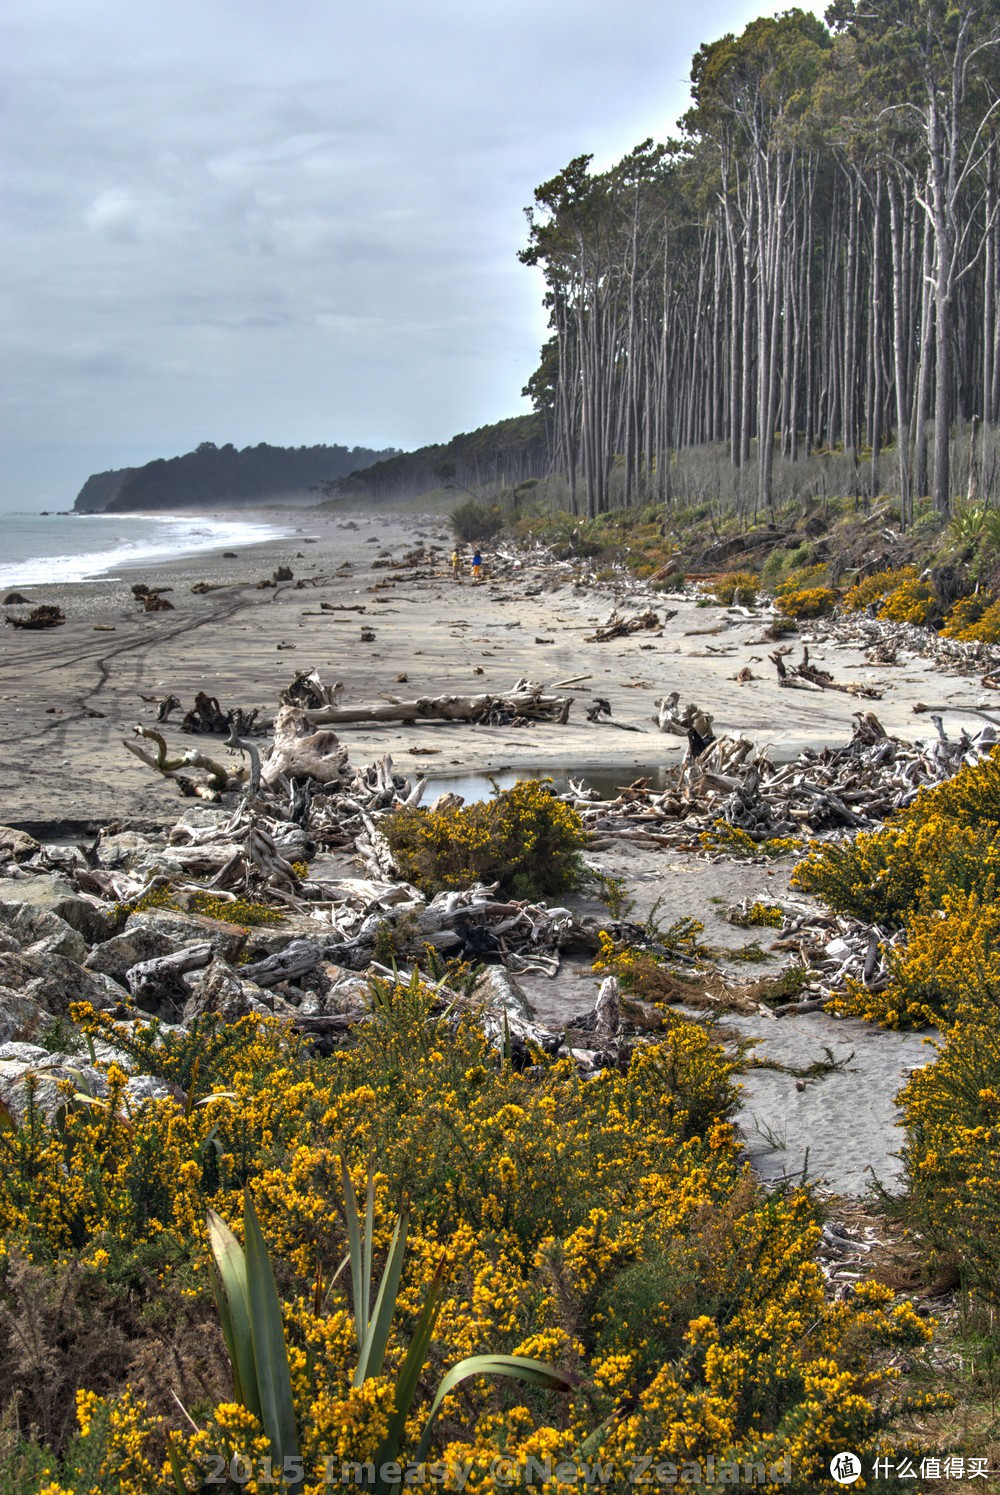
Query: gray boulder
49 890
41 931
159 932
147 1087
16 845
44 1076
53 982
218 989
21 1018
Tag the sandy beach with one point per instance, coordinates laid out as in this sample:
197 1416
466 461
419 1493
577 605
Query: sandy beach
70 695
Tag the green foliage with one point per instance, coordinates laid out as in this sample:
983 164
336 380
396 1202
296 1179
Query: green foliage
733 842
768 915
475 522
221 475
739 587
810 602
974 619
523 838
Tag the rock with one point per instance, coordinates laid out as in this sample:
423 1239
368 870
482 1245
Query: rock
218 989
26 1053
46 1075
53 982
132 852
150 935
195 818
20 1017
40 931
347 990
8 942
141 1088
15 845
48 890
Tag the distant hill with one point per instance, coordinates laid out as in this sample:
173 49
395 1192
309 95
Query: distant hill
480 462
220 476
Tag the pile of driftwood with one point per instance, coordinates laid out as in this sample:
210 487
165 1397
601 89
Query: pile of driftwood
46 616
883 639
526 701
206 715
619 627
806 676
152 598
852 787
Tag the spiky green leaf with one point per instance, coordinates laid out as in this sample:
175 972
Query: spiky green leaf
535 1372
377 1337
229 1284
274 1381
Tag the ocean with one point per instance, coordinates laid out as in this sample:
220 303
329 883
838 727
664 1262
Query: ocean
40 548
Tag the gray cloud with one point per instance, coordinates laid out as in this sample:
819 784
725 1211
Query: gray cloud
230 220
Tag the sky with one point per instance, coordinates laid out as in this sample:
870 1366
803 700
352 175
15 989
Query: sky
234 220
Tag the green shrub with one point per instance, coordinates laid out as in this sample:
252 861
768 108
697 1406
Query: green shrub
523 838
474 522
738 588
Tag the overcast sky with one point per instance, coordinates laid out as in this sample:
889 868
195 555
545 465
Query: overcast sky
238 220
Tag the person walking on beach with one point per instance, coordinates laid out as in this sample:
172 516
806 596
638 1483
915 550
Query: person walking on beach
477 565
456 564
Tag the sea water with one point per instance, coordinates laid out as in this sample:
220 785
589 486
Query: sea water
40 548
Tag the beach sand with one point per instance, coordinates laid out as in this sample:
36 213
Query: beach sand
71 694
68 695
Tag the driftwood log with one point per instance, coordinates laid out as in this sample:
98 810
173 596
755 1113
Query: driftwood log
156 984
806 676
524 702
219 777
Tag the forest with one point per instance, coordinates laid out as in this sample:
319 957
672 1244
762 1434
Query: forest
222 475
805 283
489 459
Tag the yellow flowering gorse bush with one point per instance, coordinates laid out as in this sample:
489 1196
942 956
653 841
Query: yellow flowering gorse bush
605 1225
524 838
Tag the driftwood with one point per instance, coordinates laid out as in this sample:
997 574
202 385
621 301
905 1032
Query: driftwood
152 598
619 627
46 616
299 750
806 676
600 714
218 776
307 690
682 723
524 702
156 984
300 958
857 785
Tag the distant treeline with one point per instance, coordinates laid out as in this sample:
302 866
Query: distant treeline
221 476
480 462
813 266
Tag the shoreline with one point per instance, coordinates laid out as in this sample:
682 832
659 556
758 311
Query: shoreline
69 694
110 571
